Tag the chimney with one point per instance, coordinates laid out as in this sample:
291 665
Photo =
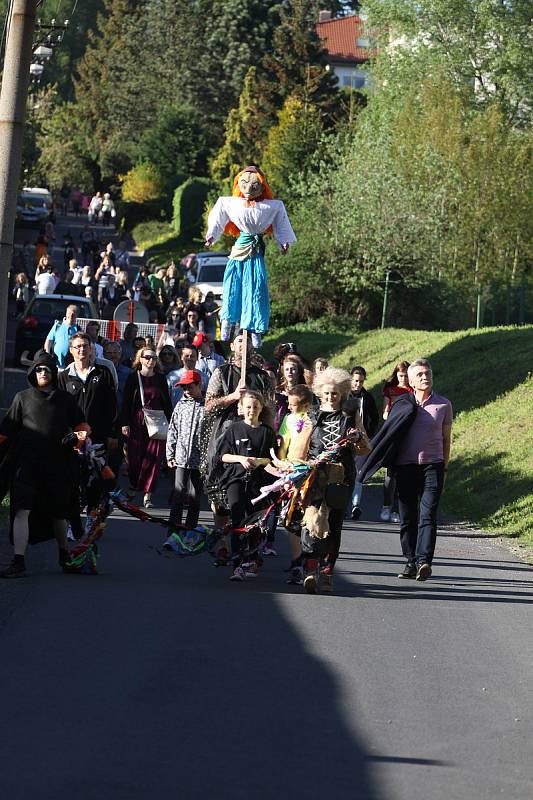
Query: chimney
324 16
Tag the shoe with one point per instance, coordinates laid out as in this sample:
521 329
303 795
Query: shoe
148 501
423 572
238 574
326 580
15 570
385 514
269 550
222 558
409 571
356 512
394 517
311 576
251 568
296 577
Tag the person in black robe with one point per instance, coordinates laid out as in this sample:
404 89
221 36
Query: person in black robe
39 468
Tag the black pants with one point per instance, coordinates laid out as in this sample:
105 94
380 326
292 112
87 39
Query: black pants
181 484
419 491
326 550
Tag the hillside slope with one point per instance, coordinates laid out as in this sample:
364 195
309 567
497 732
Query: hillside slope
487 375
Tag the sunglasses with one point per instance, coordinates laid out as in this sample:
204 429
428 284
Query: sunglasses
43 370
149 358
80 346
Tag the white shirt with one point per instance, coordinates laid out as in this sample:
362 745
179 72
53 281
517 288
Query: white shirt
254 218
45 283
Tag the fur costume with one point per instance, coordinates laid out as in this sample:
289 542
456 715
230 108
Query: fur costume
248 214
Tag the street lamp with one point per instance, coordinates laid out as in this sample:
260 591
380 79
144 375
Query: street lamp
36 70
43 53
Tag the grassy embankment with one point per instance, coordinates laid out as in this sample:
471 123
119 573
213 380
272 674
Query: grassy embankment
487 375
160 243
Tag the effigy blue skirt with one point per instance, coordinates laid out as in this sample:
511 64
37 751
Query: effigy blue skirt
245 294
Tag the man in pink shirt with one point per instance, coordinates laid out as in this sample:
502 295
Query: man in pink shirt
421 467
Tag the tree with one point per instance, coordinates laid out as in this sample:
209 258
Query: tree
487 45
108 137
235 35
291 143
175 145
296 65
245 135
63 158
142 184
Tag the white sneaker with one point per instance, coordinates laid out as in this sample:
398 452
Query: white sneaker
238 574
385 514
394 517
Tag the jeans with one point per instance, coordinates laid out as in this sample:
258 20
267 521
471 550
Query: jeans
181 484
419 491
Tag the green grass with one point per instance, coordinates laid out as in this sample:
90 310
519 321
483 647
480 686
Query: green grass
160 243
487 375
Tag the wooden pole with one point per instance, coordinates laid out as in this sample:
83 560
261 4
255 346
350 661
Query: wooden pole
244 356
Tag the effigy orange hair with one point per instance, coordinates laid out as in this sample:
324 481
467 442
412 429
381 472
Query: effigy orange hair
231 229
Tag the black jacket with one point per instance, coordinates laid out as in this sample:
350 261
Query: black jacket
321 438
386 443
370 413
96 398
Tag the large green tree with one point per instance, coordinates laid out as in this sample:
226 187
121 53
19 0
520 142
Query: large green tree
487 44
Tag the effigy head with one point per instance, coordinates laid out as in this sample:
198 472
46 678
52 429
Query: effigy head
251 184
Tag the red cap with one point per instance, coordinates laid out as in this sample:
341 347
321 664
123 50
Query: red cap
188 377
199 339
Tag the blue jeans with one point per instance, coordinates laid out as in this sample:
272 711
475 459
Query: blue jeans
419 490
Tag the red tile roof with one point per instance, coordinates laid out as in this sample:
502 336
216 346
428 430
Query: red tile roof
339 37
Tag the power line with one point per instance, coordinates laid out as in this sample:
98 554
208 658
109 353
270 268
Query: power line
6 25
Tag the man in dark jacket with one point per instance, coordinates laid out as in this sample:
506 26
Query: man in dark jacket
93 389
39 467
365 404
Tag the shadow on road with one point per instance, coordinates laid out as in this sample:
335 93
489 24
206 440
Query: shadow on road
161 678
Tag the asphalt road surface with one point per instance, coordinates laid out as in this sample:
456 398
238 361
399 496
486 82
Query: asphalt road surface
161 678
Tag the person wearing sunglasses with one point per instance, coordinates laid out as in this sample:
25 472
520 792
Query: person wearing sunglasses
145 455
40 469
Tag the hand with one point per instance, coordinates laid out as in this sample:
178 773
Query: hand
284 249
172 463
125 430
208 241
248 462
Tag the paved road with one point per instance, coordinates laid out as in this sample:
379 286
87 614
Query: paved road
160 678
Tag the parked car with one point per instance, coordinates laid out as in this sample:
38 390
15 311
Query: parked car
34 206
39 316
206 271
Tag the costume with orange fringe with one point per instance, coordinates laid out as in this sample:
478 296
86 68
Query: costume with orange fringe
249 214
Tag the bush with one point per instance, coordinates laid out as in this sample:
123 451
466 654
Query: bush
142 183
188 207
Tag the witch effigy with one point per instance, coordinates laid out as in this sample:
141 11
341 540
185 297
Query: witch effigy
249 214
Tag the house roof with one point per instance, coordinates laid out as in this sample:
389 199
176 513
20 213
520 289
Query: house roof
339 37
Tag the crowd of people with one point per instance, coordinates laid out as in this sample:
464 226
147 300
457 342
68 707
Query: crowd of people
180 406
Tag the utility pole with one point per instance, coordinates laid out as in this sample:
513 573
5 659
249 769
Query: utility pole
13 98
